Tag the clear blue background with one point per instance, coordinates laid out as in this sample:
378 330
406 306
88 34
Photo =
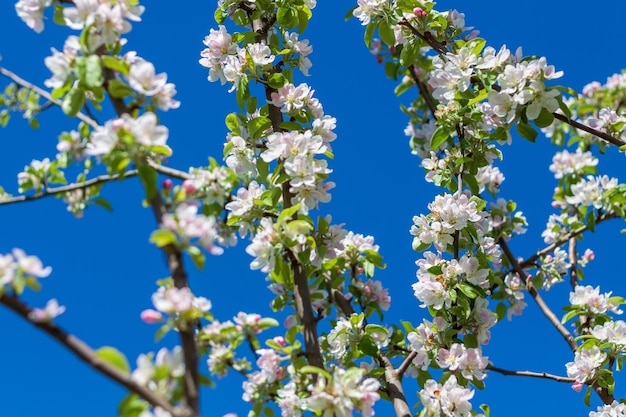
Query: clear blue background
104 269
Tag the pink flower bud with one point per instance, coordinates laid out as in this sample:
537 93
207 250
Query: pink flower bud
577 386
167 184
188 187
280 340
151 316
380 59
419 12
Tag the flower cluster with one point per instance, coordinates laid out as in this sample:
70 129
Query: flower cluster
144 131
585 364
615 409
105 20
189 224
143 79
160 373
449 399
175 302
469 361
591 299
18 268
449 214
345 391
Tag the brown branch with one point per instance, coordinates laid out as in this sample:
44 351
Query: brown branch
406 363
43 93
301 292
177 269
573 260
538 299
86 354
426 37
542 375
590 130
395 390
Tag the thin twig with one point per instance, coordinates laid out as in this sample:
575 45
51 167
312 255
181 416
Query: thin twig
89 356
67 188
43 93
406 363
542 375
426 37
590 130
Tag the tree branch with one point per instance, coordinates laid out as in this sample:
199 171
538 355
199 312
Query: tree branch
590 130
538 299
67 188
43 93
542 375
395 391
88 355
543 252
177 269
603 393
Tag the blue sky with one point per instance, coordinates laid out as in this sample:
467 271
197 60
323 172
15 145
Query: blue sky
104 269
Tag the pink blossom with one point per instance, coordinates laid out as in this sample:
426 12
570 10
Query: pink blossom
150 316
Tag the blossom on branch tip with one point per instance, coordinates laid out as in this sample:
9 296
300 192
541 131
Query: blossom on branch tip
50 311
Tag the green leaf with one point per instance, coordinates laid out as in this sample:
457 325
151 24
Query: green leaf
104 204
386 33
118 89
369 34
410 51
113 357
162 237
526 131
4 117
591 221
148 177
131 406
258 125
277 80
544 119
286 17
368 346
89 71
73 102
116 64
232 122
439 137
197 257
307 369
267 323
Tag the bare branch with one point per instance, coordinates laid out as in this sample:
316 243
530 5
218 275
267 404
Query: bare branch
49 192
43 93
542 375
585 128
395 391
88 355
406 363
